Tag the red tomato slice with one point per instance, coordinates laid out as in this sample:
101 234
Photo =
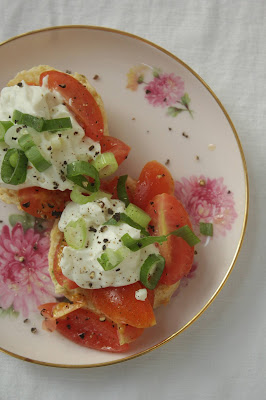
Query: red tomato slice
168 214
89 330
119 149
61 279
43 203
154 179
126 333
120 305
111 187
82 104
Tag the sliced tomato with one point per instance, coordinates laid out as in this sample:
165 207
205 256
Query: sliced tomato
119 149
79 101
111 187
61 279
90 330
154 179
120 305
168 214
43 203
126 334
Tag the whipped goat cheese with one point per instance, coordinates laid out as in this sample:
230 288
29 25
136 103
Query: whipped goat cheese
81 266
60 148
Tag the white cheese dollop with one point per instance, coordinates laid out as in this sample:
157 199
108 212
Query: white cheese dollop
60 148
81 266
141 294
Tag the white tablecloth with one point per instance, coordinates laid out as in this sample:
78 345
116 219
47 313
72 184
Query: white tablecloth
223 354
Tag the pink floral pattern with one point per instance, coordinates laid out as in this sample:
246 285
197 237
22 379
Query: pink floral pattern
163 90
24 278
207 200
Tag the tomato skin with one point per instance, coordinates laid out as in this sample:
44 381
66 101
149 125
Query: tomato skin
61 279
119 149
43 203
120 305
83 105
111 187
168 214
125 333
86 329
154 179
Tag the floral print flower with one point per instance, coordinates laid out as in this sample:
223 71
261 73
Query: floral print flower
164 90
135 76
207 200
24 278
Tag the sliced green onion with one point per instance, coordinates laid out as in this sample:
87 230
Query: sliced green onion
26 142
29 120
38 161
206 228
41 124
14 174
57 124
122 191
26 220
136 244
121 217
105 164
151 271
4 126
112 258
186 234
138 215
76 234
79 198
77 173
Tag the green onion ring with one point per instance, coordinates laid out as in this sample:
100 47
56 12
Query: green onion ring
77 196
112 258
77 173
38 161
14 175
138 215
105 164
148 279
75 234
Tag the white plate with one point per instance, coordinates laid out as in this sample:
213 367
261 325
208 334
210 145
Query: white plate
141 84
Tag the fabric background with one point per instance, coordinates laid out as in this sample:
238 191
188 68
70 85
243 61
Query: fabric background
223 354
